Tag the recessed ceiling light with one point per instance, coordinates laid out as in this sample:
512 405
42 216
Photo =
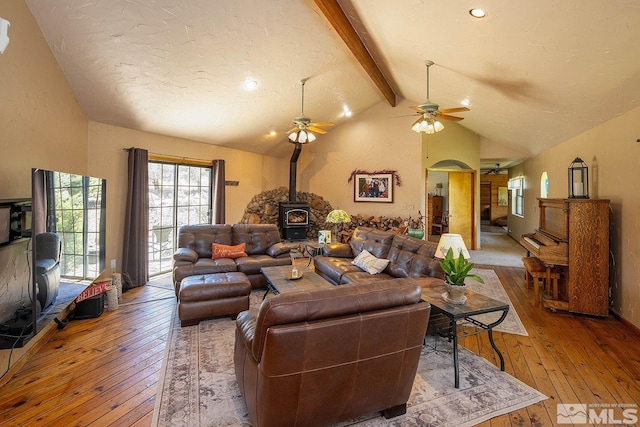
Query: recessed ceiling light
478 13
465 102
273 133
346 111
250 84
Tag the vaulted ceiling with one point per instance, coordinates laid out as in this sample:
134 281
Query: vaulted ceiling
534 72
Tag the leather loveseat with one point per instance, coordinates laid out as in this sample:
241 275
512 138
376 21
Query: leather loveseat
324 356
408 257
194 255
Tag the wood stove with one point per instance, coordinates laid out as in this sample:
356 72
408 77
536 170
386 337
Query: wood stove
293 218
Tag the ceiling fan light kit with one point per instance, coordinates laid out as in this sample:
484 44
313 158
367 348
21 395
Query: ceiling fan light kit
428 126
302 130
302 136
430 113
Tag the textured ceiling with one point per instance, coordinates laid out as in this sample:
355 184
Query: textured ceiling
535 72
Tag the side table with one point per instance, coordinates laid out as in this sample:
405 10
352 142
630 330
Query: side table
312 249
455 321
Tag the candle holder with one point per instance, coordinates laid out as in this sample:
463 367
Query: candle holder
578 179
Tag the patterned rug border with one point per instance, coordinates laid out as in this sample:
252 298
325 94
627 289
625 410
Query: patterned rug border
512 323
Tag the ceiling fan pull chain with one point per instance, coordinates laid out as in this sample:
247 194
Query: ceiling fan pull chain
302 114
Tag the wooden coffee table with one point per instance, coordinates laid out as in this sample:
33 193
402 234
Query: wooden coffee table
279 281
456 321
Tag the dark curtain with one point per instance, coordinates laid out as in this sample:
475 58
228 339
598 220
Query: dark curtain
217 192
135 253
38 202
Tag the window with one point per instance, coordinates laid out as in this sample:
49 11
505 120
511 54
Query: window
77 202
544 185
178 195
516 185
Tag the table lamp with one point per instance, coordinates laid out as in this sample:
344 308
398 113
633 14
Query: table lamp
451 241
336 217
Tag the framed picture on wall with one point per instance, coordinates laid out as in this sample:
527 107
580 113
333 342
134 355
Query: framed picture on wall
503 196
373 188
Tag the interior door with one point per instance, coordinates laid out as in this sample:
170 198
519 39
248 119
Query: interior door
461 206
485 201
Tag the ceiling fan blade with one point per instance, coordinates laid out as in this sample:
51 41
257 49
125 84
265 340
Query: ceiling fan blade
418 109
321 124
454 110
417 121
447 117
404 115
292 130
317 130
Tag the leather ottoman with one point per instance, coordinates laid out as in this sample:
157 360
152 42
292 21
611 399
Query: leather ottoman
211 295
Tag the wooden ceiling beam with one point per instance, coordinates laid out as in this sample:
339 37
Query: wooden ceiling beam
334 13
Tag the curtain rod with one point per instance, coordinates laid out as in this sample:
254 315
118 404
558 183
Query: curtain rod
175 159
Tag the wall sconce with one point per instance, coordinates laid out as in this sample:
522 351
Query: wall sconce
578 179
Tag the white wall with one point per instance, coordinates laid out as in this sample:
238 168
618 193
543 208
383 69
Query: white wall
374 140
41 124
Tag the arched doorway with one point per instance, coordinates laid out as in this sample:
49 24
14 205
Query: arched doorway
460 197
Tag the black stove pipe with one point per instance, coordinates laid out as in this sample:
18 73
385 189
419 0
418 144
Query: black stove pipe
293 171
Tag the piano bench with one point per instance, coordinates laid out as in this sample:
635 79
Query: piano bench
533 268
540 275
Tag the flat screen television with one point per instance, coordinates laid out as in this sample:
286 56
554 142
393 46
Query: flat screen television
15 220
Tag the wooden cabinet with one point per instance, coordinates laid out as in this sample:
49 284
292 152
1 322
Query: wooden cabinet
434 214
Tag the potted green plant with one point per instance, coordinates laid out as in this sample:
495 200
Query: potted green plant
455 271
416 226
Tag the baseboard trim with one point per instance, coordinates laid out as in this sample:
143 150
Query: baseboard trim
626 323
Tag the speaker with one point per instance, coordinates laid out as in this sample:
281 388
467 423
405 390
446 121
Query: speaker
90 307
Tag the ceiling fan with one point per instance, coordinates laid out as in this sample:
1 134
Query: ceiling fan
494 171
430 113
303 129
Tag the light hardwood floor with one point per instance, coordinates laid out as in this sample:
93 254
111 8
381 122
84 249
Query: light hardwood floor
105 371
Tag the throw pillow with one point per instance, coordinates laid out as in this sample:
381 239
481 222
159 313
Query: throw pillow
226 251
370 263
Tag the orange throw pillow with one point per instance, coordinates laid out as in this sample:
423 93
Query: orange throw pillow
226 251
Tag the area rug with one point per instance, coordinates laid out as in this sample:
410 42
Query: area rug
493 288
498 249
198 386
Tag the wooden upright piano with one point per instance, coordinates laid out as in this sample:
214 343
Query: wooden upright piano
573 235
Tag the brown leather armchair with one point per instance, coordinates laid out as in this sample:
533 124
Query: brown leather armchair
325 356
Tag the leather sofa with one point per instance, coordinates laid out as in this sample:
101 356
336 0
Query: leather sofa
263 247
408 257
320 357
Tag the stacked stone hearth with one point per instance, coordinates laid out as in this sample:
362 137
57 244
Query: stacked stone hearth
263 209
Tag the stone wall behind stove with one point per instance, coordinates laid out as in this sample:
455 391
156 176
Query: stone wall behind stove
263 209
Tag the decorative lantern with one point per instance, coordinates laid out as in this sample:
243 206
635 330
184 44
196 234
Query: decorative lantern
578 179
